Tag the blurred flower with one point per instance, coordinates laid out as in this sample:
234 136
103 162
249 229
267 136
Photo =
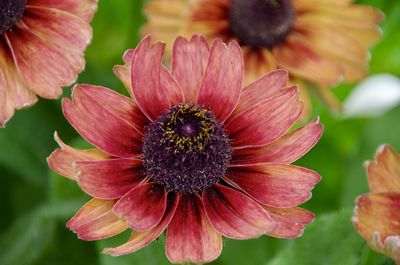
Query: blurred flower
377 214
191 153
319 42
41 49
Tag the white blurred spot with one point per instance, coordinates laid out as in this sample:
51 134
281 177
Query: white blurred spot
373 97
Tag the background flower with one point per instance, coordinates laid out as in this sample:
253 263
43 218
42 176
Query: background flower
330 38
41 49
377 214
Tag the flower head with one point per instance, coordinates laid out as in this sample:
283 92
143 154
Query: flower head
377 214
191 152
41 49
320 43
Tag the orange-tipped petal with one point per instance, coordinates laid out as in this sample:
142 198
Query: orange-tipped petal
87 116
189 62
143 207
290 221
109 178
139 240
376 217
63 160
190 237
235 215
286 149
266 121
222 83
384 171
275 185
96 220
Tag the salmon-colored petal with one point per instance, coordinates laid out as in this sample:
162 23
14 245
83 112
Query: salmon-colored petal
290 221
143 207
235 215
96 220
275 185
189 62
119 138
221 87
123 72
6 104
139 240
170 87
262 89
110 178
266 121
285 150
63 160
190 237
82 8
145 78
384 171
117 104
376 217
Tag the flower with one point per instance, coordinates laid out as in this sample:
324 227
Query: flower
190 152
377 214
319 43
41 49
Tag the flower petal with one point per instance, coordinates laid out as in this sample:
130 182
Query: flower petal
376 217
384 171
262 89
96 220
275 185
190 237
266 121
83 8
123 72
63 159
110 178
189 62
234 214
143 207
290 221
285 150
145 78
87 116
139 240
222 83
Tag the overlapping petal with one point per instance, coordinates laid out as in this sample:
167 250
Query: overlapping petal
81 8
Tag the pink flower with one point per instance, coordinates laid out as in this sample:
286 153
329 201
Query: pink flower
377 214
191 153
41 49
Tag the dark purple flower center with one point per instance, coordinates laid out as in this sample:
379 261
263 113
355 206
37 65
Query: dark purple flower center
10 12
186 149
261 23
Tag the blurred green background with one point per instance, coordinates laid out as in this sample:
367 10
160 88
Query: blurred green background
36 203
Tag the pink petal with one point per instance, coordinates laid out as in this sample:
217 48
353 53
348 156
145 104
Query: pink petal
384 171
235 215
56 49
123 72
265 122
262 89
275 185
146 74
119 138
189 62
190 237
290 221
143 207
82 8
117 104
96 220
376 217
63 159
285 150
139 240
110 178
222 83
